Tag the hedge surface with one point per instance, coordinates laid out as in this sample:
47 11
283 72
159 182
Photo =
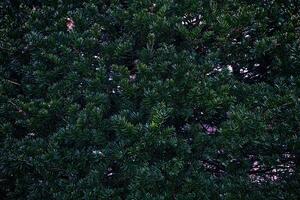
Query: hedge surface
150 99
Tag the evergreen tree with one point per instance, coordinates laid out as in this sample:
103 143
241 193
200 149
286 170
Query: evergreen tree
150 99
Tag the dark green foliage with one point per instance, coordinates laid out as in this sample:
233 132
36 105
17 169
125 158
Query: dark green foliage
142 99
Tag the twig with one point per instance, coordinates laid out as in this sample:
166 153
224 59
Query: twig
19 109
13 82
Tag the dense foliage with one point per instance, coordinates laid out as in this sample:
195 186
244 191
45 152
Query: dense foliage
150 99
